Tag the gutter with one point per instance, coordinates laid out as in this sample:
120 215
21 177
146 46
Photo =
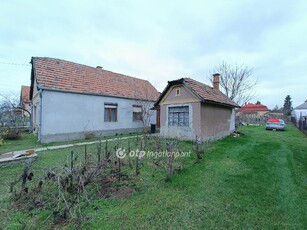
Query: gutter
40 115
31 117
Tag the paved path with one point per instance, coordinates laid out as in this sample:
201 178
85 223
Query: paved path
21 154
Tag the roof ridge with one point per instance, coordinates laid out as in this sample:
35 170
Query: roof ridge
201 83
95 68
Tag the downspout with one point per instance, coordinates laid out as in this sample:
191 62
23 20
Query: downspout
40 115
31 118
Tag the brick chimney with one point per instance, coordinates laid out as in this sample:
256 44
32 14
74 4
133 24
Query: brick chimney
216 81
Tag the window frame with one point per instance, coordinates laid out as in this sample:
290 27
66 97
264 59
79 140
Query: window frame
179 117
177 91
134 113
108 108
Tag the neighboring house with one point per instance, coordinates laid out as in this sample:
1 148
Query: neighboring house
190 109
25 100
73 101
300 112
253 110
24 108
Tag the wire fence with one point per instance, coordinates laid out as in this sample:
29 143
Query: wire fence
301 123
21 123
258 119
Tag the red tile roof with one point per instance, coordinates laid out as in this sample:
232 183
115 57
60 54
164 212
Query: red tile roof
253 108
25 94
208 93
204 92
57 74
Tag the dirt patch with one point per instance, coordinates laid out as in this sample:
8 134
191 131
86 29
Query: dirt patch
122 192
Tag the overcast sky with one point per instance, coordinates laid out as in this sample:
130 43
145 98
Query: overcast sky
161 40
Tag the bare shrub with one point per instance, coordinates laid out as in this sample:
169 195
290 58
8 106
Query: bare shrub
66 190
89 136
10 134
200 148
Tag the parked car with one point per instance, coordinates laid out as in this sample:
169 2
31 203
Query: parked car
275 124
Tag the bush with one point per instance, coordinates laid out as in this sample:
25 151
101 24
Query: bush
10 135
88 136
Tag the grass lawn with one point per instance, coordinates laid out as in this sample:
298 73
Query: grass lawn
256 181
29 141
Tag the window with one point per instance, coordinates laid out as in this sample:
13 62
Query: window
178 116
177 91
110 112
137 112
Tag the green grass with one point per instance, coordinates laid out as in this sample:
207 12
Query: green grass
29 141
26 141
256 181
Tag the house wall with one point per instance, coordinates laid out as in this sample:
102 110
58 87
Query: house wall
25 116
186 98
26 105
232 127
69 116
262 113
298 113
216 121
36 111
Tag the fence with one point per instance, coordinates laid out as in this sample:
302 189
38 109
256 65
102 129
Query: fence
257 119
301 124
21 124
250 120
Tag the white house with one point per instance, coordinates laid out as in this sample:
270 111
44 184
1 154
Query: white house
300 112
71 101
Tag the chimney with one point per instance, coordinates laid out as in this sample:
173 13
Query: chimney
98 67
216 81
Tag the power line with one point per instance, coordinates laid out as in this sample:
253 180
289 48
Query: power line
12 63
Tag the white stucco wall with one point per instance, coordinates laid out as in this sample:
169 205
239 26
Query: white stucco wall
297 113
232 126
68 116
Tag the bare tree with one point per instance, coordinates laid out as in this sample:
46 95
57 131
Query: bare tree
12 102
9 107
145 113
145 104
236 82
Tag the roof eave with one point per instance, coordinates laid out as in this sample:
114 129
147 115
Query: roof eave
220 103
93 94
169 84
